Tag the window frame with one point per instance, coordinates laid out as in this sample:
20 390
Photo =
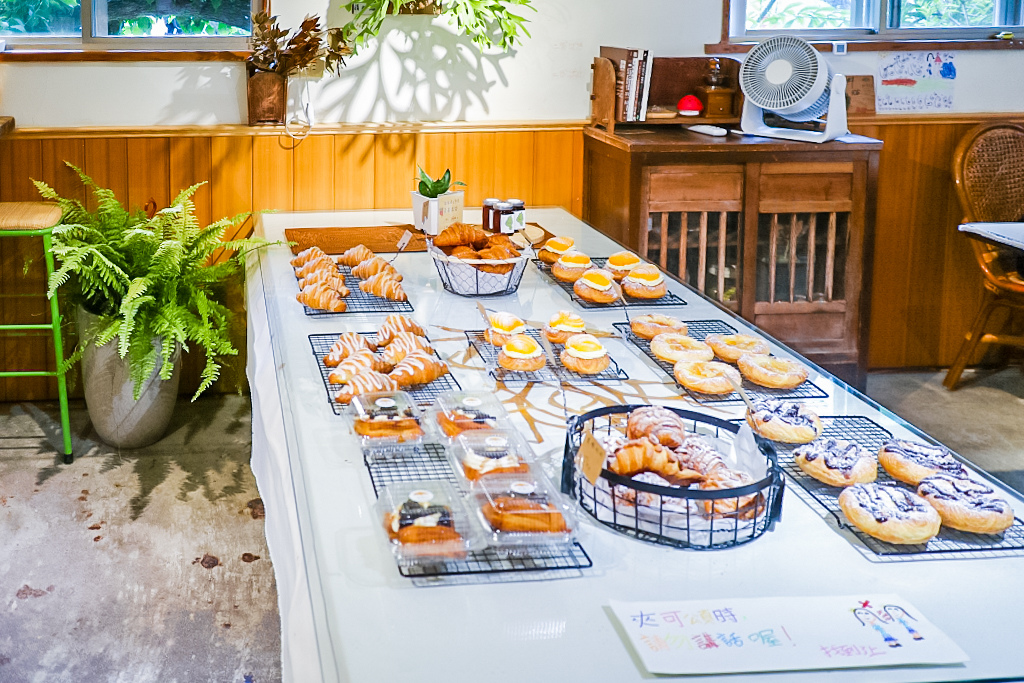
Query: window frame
735 37
227 47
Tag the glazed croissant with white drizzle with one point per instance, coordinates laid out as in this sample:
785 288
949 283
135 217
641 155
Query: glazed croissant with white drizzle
418 367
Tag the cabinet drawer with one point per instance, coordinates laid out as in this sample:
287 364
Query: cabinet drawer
801 192
698 188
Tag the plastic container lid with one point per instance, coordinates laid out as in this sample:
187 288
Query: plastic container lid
425 522
456 412
523 510
386 418
483 453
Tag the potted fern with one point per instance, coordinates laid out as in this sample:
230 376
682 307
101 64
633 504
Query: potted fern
146 290
435 205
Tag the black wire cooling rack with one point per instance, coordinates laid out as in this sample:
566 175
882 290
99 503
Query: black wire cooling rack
359 301
429 461
422 394
948 544
669 299
698 329
553 370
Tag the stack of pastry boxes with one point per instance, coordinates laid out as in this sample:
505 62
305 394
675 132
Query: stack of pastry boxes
502 501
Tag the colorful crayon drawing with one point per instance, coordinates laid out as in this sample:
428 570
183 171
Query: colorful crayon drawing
869 618
915 81
897 613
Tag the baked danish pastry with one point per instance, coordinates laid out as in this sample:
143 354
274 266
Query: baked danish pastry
966 504
772 372
729 347
784 421
650 325
706 377
911 461
837 463
672 347
890 513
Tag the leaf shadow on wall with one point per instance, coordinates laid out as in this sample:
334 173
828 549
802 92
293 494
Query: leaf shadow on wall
200 85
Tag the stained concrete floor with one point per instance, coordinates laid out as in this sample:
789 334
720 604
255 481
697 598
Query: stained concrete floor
983 420
134 566
102 571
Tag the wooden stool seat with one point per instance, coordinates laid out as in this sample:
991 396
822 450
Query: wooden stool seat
37 219
29 215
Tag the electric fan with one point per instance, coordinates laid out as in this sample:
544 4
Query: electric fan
786 76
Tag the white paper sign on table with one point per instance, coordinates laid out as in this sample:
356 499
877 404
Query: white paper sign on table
782 634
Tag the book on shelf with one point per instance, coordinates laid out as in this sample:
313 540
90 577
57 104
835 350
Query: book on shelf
632 81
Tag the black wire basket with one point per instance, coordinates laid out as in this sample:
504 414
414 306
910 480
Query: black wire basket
464 277
673 516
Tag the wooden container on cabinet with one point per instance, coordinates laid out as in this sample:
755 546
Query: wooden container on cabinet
776 231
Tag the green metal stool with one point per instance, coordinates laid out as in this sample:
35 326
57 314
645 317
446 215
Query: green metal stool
37 219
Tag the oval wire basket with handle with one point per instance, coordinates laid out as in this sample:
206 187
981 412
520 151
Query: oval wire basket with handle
671 515
468 277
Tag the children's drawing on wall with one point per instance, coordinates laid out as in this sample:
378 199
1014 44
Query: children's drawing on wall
915 81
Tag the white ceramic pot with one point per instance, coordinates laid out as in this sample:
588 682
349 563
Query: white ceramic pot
118 418
432 215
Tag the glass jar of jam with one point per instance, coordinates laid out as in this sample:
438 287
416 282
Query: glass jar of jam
487 210
518 214
502 218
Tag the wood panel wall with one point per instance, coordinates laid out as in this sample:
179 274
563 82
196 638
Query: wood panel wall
927 286
245 170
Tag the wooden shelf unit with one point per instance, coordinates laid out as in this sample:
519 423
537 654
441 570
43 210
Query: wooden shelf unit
774 230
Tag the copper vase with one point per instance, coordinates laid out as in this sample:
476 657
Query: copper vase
268 98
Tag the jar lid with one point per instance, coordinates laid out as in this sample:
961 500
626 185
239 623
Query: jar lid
516 203
503 206
491 201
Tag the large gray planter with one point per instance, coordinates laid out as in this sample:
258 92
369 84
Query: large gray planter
118 418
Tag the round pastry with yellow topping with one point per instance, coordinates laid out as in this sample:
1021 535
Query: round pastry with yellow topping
521 353
650 325
772 372
645 282
597 285
555 247
584 354
729 347
503 327
563 325
673 347
570 266
621 263
706 377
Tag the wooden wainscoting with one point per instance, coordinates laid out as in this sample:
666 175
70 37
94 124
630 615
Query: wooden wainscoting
250 169
926 285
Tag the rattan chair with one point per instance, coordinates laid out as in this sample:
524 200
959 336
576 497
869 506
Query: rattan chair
988 168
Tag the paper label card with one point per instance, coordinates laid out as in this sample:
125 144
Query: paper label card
782 634
591 456
403 242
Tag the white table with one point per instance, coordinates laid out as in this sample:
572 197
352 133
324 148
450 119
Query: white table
347 614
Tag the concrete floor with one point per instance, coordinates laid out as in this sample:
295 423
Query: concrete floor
102 571
135 566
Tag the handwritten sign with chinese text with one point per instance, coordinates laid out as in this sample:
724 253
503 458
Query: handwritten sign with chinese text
782 634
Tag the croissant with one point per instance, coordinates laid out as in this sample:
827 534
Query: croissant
659 424
347 344
402 345
740 507
357 362
497 252
697 454
320 263
365 382
322 298
418 367
383 285
355 255
307 255
643 455
375 265
334 280
394 324
461 233
522 515
464 252
504 241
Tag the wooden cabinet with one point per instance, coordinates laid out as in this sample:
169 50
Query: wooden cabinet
776 231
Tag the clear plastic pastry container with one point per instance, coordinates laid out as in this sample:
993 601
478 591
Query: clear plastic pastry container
462 412
425 522
386 420
519 511
482 453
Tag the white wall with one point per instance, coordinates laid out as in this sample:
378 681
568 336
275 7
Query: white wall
422 72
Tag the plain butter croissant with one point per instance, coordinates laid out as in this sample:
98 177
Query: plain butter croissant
461 234
355 255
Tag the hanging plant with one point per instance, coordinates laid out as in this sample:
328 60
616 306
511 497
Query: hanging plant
488 23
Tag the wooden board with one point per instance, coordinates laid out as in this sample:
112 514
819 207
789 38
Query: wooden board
378 238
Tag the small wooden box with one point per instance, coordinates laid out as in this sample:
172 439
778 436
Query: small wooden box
717 101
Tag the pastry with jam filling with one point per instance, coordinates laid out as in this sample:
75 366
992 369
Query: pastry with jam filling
784 421
890 513
912 461
966 504
836 462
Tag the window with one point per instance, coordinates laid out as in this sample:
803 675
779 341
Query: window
874 19
131 24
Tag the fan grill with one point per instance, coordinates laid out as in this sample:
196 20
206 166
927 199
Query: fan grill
806 66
